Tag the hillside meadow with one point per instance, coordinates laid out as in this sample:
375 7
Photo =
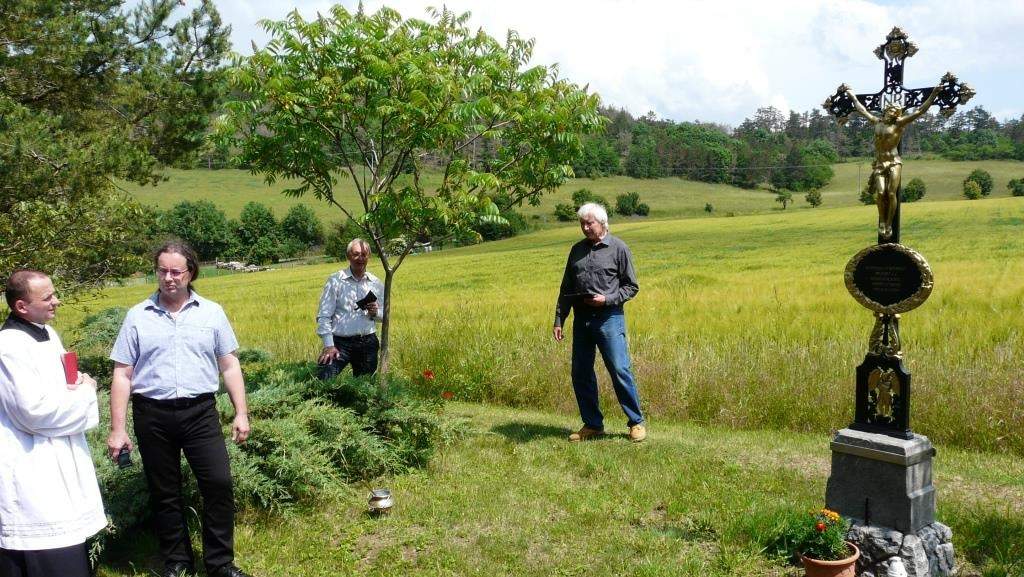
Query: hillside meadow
230 190
742 322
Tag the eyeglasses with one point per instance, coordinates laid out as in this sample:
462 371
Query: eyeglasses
162 272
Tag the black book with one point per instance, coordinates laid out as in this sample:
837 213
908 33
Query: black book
369 298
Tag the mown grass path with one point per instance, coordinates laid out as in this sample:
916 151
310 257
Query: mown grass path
514 498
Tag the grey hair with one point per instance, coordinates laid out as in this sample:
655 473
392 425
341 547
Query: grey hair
595 210
357 242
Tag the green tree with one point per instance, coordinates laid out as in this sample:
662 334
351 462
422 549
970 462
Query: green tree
90 92
972 190
1016 186
302 226
584 195
784 197
626 204
813 198
913 191
257 234
366 96
708 208
200 223
866 196
984 180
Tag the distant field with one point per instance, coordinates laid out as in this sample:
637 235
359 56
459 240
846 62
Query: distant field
667 197
742 321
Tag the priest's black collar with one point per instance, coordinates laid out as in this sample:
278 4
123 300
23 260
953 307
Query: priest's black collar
33 330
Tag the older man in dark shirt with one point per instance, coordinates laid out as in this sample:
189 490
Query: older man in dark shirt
599 278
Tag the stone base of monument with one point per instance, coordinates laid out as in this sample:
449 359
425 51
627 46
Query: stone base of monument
885 552
884 483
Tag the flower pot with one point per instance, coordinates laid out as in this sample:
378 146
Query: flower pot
841 568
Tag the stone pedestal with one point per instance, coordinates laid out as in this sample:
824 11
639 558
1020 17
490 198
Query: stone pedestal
883 480
884 485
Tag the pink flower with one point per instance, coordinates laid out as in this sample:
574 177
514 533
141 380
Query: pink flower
428 374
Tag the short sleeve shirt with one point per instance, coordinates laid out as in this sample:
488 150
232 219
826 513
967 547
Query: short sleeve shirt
174 357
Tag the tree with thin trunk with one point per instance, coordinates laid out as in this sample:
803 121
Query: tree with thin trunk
376 99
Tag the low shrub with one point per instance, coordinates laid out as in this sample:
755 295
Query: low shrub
308 437
1016 186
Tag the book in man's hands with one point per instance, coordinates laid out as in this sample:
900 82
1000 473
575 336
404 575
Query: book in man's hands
580 296
369 298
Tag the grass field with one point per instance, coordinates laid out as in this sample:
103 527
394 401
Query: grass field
742 322
667 197
515 499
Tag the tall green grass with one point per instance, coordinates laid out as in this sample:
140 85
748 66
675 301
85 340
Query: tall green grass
743 322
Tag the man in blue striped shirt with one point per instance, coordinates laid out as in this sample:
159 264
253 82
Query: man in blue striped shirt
345 321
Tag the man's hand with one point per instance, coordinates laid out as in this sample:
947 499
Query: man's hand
557 331
240 428
328 355
595 301
371 310
83 379
116 441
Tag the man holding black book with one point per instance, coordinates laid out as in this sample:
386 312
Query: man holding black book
598 279
349 307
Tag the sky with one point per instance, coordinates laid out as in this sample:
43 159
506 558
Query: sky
720 60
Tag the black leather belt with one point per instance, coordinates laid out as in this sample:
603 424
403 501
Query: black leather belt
179 403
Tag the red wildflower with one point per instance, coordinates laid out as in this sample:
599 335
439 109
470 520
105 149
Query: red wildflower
820 527
428 374
447 395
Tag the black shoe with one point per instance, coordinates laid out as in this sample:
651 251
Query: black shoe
230 570
178 570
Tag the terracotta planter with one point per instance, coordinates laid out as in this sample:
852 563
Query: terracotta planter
841 568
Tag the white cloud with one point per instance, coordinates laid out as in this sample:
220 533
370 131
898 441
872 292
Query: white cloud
719 61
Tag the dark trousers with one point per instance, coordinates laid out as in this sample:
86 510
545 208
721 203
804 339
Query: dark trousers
70 561
360 351
165 430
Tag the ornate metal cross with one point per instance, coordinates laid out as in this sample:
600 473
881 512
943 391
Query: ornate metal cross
889 278
896 49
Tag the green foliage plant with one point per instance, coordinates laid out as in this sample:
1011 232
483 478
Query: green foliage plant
302 225
983 178
584 195
257 235
565 212
913 191
867 196
91 91
202 225
784 197
972 190
708 208
1016 186
312 435
628 204
820 534
813 198
366 97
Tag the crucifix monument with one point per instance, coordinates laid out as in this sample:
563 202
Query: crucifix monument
881 470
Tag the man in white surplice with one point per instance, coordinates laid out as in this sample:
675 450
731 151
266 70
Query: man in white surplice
49 499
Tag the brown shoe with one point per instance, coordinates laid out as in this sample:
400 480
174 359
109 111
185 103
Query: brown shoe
637 433
584 434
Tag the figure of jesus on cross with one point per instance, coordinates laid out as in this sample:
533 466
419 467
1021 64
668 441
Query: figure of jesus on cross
892 104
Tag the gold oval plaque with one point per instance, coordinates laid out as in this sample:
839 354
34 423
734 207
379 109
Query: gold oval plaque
889 278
